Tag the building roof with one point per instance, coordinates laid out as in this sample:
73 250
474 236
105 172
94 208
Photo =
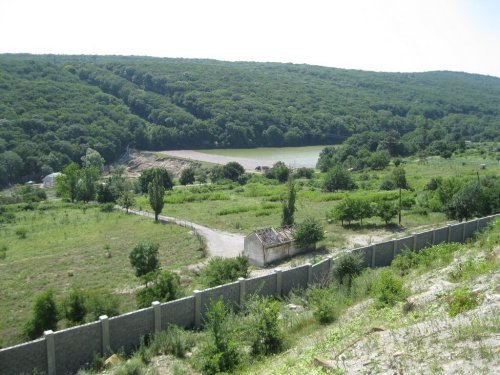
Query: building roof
55 174
274 236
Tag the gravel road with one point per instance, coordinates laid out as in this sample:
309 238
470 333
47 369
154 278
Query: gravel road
219 243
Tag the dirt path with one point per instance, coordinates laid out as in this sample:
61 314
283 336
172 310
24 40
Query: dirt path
219 243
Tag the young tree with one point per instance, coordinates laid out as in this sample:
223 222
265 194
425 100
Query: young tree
338 178
67 183
399 176
308 233
144 258
386 211
87 183
279 171
44 315
287 216
233 170
93 158
156 192
147 176
187 176
126 200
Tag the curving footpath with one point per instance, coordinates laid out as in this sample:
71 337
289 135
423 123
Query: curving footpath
219 243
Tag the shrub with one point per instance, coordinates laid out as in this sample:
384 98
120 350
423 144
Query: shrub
405 261
21 233
304 172
338 178
225 270
347 267
74 307
324 306
388 184
388 289
221 353
148 175
165 286
173 341
107 207
266 329
308 233
101 302
279 171
386 211
187 176
44 316
144 258
461 300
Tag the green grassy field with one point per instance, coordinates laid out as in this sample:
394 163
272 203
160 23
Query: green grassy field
67 246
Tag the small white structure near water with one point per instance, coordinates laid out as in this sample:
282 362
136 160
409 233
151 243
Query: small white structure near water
50 180
265 246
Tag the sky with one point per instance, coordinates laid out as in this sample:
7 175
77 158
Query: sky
376 35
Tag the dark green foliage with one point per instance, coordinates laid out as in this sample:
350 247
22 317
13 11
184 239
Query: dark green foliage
233 171
107 207
220 270
3 251
31 194
475 198
279 171
44 315
67 183
187 176
221 353
350 209
86 186
461 300
144 258
101 302
307 233
431 257
304 172
108 103
126 200
161 286
388 289
266 327
347 267
148 175
388 184
75 306
105 194
386 211
324 306
338 178
156 192
288 205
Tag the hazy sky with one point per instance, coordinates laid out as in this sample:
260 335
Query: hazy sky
381 35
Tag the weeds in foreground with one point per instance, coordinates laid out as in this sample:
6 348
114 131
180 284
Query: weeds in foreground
460 300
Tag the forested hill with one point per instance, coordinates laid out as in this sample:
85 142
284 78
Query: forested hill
53 107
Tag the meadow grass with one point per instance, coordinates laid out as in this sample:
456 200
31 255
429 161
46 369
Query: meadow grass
67 246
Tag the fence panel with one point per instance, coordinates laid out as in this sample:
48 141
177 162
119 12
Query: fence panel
366 255
456 233
179 312
423 240
24 358
126 330
440 235
229 293
294 278
384 253
470 228
262 285
70 353
321 272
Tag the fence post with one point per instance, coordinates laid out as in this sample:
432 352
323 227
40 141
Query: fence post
157 315
373 255
309 273
330 266
197 308
243 290
394 248
104 334
449 233
414 247
51 352
463 231
279 281
433 236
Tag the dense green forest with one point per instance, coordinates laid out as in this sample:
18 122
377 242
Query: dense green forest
52 108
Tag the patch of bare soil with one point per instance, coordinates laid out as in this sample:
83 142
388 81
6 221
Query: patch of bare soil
136 161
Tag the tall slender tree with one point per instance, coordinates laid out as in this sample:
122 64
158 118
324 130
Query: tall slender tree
287 216
156 192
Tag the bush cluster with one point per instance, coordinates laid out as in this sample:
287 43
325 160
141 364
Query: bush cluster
225 270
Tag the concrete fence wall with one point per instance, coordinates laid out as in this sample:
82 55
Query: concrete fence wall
65 351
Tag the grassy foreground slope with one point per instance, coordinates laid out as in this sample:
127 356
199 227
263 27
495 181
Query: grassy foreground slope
66 246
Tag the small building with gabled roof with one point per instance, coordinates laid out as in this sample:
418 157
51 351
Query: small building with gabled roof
269 245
